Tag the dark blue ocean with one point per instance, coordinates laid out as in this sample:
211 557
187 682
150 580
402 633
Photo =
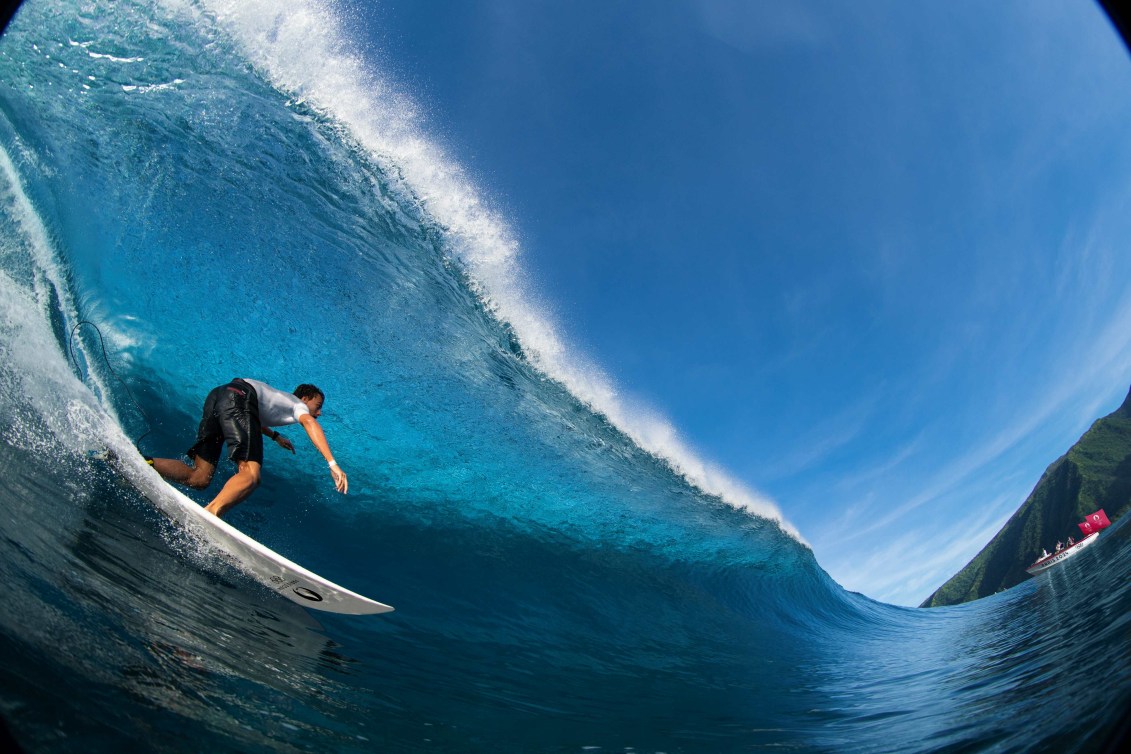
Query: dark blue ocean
226 189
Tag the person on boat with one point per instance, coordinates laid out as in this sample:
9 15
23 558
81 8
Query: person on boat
1071 541
1044 554
1059 546
240 413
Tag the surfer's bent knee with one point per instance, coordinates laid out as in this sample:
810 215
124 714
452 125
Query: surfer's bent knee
199 481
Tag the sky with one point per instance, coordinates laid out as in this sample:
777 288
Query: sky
868 257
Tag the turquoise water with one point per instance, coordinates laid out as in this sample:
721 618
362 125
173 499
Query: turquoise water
226 192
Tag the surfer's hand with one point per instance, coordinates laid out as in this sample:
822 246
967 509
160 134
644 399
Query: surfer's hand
284 442
340 480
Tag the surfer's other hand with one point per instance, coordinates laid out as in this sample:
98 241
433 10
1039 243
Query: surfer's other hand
284 442
340 480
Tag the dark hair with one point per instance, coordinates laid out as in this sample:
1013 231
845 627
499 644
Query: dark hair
309 391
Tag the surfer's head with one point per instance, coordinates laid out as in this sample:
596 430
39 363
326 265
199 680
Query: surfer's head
312 397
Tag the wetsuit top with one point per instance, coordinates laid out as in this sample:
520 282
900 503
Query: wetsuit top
277 408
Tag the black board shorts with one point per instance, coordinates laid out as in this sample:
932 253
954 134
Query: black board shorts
231 415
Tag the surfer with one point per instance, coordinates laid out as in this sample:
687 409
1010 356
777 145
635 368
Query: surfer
240 413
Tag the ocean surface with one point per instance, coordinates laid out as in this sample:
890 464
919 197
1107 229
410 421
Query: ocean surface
229 189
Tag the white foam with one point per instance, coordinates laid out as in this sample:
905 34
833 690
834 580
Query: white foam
30 347
303 48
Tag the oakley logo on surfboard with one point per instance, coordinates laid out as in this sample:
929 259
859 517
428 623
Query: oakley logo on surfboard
307 594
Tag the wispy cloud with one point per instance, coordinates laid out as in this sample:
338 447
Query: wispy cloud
904 569
838 430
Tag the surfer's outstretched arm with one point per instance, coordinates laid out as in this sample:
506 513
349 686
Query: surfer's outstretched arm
318 437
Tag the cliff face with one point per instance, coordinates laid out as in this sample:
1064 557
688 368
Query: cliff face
1094 473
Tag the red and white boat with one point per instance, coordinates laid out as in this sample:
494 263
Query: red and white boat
1091 526
1059 557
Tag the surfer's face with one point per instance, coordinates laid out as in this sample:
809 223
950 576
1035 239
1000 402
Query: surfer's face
314 404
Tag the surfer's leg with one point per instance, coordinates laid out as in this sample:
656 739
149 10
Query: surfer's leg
238 419
236 489
198 476
205 453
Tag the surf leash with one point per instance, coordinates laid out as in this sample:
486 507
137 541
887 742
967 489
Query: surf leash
106 358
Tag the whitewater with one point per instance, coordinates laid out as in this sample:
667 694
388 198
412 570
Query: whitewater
232 189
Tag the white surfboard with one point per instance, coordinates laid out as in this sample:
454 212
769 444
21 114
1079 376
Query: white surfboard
257 560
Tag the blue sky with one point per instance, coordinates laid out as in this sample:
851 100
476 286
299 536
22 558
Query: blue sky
869 257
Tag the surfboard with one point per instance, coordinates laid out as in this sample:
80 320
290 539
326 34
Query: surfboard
266 566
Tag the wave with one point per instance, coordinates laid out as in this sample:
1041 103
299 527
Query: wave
304 50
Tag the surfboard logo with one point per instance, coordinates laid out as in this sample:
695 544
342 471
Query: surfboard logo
307 594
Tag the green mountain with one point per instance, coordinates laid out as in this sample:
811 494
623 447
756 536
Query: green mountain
1094 473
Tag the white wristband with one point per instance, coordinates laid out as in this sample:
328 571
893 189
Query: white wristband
332 462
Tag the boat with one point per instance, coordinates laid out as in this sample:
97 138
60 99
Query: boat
1091 526
1059 557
